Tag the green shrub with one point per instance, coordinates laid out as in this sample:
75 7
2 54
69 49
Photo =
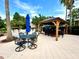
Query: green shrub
3 30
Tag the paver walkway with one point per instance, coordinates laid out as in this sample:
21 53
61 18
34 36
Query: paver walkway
48 48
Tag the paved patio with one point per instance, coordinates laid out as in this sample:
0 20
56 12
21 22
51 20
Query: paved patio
48 48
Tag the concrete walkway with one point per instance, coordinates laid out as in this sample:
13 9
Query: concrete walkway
48 48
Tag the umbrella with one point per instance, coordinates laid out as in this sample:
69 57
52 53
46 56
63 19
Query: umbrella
28 23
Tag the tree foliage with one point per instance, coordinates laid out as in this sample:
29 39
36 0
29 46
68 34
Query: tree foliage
36 19
2 25
18 21
67 3
75 13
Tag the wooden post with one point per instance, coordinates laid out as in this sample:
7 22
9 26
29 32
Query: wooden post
38 27
57 29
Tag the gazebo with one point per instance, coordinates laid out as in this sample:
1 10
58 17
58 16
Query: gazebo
56 21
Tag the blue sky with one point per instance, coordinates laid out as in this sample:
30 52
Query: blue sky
34 7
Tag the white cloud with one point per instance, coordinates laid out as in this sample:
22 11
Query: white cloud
32 10
61 16
2 16
60 13
76 4
22 14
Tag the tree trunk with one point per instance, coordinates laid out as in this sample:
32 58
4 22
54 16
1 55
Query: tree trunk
73 21
8 26
70 21
66 14
57 30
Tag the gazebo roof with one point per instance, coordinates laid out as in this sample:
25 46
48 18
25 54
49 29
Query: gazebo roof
53 20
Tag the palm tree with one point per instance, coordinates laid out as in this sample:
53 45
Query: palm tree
75 15
65 2
9 34
69 6
66 14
